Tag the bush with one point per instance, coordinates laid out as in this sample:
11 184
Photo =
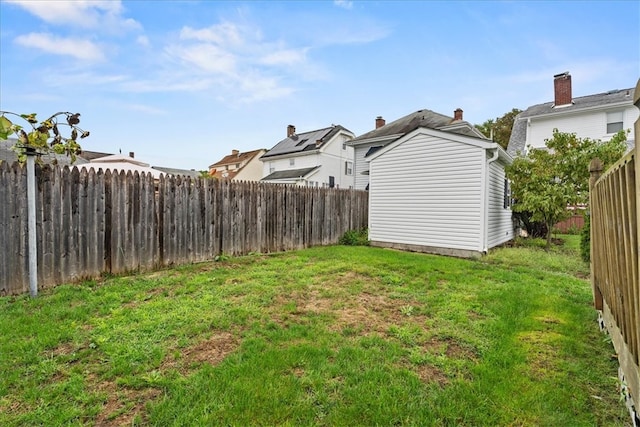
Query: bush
533 228
585 239
355 238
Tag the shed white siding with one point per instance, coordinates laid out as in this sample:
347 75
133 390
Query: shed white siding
427 191
499 222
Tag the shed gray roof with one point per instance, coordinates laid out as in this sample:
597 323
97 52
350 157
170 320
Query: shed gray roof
290 174
421 118
518 138
304 141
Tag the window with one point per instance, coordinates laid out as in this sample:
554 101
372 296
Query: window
332 182
348 168
614 122
344 146
292 162
237 165
272 167
507 195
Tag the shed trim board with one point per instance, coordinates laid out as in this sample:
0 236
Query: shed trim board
438 191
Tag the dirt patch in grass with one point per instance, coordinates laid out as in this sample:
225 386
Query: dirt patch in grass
431 374
211 351
123 405
364 312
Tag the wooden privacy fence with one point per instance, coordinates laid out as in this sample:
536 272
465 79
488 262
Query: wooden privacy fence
92 222
615 215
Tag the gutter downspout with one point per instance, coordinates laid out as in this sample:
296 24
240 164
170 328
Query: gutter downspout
485 201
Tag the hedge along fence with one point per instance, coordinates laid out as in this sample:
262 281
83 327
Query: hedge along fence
89 222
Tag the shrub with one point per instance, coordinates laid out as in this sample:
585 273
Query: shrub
585 239
355 238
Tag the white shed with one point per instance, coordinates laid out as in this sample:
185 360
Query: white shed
439 192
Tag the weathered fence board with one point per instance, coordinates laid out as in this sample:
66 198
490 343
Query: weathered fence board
92 222
615 258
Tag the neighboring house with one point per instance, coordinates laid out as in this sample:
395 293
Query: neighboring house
438 191
320 158
385 133
239 166
598 116
118 162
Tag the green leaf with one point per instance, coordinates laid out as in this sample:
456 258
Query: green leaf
6 127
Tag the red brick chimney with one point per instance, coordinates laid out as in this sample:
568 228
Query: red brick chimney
457 114
380 122
562 89
132 154
291 130
235 152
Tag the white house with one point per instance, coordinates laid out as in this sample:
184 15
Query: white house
442 192
319 158
239 166
119 162
385 133
597 116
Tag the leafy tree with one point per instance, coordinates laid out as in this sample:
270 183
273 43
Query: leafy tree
40 138
548 180
500 128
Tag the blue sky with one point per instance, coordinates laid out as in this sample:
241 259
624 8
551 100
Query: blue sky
183 83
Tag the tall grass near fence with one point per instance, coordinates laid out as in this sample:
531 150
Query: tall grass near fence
92 222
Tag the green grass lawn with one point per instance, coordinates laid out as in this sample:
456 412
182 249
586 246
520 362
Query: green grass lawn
325 336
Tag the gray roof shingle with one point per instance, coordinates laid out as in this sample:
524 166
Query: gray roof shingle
290 174
421 118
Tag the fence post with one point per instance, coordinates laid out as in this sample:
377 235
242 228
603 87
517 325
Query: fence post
595 170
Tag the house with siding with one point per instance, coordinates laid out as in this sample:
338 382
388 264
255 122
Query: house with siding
319 158
597 116
239 166
438 188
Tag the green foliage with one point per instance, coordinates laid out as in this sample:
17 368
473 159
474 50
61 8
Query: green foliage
355 238
44 137
585 239
547 181
500 128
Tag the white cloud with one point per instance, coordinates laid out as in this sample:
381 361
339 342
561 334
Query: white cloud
77 48
259 88
95 14
206 57
285 57
143 41
223 34
145 109
343 4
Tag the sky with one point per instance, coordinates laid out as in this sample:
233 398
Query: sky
182 83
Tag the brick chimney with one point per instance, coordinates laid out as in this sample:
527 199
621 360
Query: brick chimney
562 89
380 122
291 130
235 152
132 154
457 114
